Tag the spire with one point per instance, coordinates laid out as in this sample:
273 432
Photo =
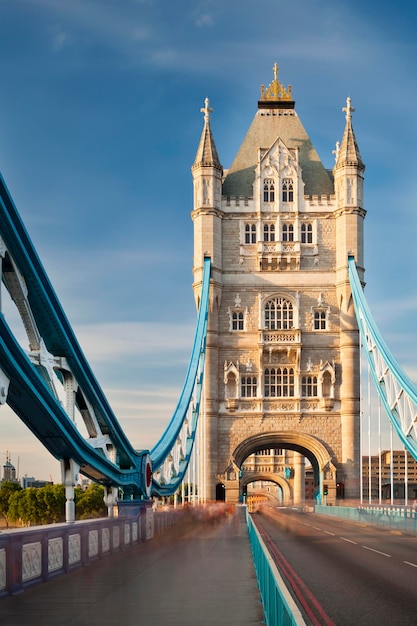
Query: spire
207 152
347 153
276 95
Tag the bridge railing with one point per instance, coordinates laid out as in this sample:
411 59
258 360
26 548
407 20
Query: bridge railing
399 518
279 607
29 556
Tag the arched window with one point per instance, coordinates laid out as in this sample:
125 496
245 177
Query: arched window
279 382
287 190
288 232
269 232
319 320
269 190
309 386
237 320
248 386
306 233
250 233
326 386
279 314
231 386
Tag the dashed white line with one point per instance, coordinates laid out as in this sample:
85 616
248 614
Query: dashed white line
412 564
316 528
349 540
377 551
329 533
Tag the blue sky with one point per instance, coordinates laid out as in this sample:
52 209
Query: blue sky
99 125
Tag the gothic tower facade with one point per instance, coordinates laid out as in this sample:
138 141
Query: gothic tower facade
282 364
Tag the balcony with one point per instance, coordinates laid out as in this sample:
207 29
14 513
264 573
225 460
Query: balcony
279 255
286 341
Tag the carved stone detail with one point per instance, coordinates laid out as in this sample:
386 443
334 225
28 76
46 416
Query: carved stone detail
93 543
55 553
116 537
74 549
105 540
126 537
31 560
3 579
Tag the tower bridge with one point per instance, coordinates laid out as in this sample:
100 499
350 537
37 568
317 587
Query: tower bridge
278 273
273 378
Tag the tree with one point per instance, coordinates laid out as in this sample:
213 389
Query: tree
8 488
90 503
23 505
51 502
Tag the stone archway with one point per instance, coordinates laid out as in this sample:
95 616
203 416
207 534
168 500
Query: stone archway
307 445
247 478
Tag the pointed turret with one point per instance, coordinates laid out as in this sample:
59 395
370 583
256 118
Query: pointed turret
207 174
207 153
347 153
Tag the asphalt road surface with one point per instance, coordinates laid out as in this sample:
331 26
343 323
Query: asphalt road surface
349 574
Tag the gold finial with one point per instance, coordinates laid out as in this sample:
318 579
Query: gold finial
206 110
276 91
348 109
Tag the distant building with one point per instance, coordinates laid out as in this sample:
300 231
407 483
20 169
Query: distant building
9 470
404 471
29 481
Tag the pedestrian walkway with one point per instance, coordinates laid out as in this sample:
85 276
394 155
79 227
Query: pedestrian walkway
200 575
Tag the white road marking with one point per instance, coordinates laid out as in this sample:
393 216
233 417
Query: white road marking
329 533
412 564
349 540
377 551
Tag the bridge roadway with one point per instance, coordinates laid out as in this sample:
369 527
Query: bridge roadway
190 575
354 573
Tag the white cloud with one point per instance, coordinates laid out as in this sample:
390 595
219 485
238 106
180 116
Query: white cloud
110 342
61 39
205 19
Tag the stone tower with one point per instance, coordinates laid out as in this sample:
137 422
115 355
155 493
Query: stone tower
282 365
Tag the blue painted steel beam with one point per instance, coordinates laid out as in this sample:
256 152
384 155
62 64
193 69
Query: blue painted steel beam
53 324
191 392
388 376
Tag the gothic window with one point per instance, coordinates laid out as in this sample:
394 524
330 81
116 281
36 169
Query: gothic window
231 387
279 382
288 232
238 321
269 190
269 232
326 385
320 319
279 314
248 386
287 190
306 233
309 386
250 233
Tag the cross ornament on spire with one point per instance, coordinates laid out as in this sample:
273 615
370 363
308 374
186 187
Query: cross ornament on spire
275 68
348 109
206 110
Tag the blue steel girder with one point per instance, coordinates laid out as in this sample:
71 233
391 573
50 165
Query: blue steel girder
396 390
20 258
29 380
170 457
106 455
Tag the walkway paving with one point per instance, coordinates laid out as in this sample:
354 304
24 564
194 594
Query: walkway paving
201 575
